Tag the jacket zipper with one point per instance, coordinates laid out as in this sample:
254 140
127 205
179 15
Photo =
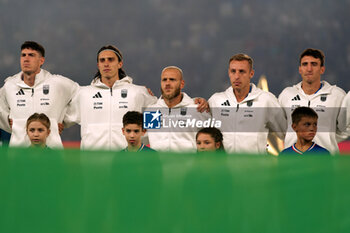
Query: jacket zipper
170 133
33 100
110 118
235 125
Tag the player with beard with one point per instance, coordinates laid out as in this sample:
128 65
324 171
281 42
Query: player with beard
175 106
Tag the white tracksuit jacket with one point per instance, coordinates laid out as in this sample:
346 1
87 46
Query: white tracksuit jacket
100 110
174 138
50 95
326 102
245 125
4 112
344 115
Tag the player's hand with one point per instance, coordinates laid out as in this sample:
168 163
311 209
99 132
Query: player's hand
10 122
60 128
202 104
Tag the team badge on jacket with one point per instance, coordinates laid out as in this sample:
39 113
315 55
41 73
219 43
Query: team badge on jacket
183 111
46 89
323 97
124 93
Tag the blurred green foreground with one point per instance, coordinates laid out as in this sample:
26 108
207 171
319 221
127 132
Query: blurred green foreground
79 192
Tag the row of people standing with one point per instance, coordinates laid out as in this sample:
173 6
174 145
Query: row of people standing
248 113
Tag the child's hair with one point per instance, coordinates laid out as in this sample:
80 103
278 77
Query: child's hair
132 117
300 112
214 133
39 117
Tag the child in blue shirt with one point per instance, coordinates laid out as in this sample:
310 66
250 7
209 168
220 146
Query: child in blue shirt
304 123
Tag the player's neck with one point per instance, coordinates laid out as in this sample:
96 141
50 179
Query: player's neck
303 145
241 94
29 79
310 88
135 148
38 146
173 101
109 81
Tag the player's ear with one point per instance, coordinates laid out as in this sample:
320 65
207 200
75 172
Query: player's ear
123 130
251 73
144 131
120 64
182 85
41 60
323 69
294 127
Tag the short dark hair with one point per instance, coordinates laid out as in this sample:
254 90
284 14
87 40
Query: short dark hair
117 52
242 57
34 46
215 133
316 53
39 117
300 112
132 117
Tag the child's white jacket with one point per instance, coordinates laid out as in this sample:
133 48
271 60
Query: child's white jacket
50 94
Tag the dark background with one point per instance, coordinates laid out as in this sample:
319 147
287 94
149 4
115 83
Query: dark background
198 36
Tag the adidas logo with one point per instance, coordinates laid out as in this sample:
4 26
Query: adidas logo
20 92
297 97
226 103
97 95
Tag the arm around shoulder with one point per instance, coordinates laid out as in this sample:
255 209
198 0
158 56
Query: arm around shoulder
72 115
147 97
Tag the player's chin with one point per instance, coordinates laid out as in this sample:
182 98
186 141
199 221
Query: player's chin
37 143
